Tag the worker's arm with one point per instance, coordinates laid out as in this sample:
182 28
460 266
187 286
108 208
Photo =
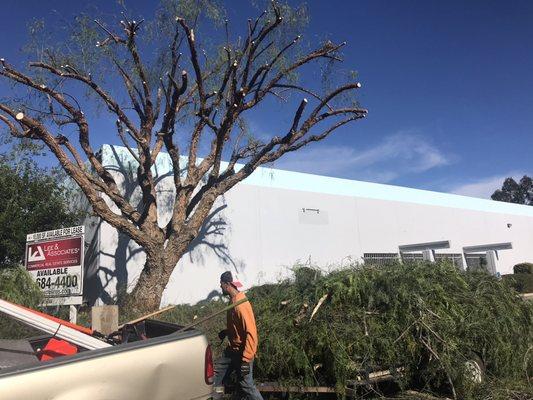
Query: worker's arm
248 321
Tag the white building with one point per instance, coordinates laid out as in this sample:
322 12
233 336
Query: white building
275 218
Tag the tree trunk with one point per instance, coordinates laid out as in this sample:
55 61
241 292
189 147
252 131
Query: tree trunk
161 260
159 265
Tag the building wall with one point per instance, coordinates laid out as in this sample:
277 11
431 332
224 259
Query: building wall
275 219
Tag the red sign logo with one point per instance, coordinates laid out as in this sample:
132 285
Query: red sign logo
54 253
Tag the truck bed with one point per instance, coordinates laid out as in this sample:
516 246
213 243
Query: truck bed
16 352
160 365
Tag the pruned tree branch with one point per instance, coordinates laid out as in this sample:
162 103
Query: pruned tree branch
194 60
112 105
37 129
80 176
211 107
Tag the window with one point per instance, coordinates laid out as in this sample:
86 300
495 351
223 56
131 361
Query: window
455 258
476 261
380 259
412 257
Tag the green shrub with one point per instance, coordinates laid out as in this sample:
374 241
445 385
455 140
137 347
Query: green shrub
17 286
522 283
523 268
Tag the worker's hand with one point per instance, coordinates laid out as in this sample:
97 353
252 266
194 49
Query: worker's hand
222 334
245 369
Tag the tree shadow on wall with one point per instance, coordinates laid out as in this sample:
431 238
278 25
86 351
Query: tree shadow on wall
213 235
98 278
126 249
92 285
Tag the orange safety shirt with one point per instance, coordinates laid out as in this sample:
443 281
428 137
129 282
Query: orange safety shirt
242 332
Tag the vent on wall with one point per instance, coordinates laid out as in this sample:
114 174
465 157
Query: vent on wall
313 216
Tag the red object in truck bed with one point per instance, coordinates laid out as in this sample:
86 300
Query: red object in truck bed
57 348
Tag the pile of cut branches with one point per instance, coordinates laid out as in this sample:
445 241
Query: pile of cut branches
323 329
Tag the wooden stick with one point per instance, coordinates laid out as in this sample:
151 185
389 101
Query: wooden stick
186 326
322 299
274 388
212 315
147 316
527 296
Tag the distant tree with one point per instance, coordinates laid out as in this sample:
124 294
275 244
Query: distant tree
173 83
31 200
515 192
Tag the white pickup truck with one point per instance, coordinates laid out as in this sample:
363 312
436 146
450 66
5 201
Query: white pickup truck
148 361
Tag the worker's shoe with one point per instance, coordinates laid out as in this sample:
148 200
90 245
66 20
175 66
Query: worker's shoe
218 392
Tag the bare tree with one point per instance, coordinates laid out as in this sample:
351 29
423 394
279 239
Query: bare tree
212 97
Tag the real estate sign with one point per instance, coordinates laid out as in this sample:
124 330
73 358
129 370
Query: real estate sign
55 260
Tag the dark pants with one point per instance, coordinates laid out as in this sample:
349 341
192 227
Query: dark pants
231 362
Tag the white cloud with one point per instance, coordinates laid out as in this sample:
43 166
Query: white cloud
396 155
484 187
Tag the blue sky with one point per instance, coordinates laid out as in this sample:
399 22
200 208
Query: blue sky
448 86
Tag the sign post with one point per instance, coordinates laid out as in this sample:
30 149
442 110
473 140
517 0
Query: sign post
55 260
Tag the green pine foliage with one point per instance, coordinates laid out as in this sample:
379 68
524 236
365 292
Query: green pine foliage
523 268
521 282
17 286
427 318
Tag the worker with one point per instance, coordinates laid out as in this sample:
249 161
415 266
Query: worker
241 332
